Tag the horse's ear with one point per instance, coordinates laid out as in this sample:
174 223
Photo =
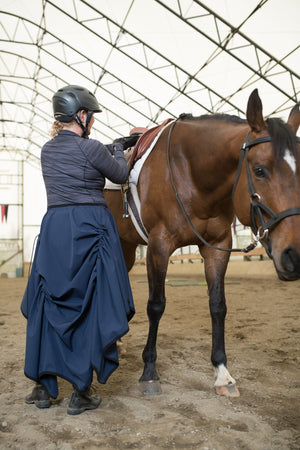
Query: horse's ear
294 118
254 112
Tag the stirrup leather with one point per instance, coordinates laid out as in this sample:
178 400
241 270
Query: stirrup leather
124 190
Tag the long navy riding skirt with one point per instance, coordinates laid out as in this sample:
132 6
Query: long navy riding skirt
78 299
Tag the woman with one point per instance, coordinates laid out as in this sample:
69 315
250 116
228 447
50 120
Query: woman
78 299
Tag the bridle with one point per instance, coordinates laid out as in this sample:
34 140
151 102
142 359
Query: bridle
257 207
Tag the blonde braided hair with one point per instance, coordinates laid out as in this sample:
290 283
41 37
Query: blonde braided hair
56 128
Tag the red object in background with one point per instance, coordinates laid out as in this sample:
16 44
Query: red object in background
4 212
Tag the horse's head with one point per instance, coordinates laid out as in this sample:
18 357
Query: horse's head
267 195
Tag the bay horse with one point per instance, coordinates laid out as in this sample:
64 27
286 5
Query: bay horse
202 172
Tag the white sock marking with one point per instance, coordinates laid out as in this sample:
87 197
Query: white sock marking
223 376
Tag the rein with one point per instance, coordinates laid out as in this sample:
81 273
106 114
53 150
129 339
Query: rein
256 206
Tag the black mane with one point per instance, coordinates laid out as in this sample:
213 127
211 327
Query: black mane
281 134
282 138
224 117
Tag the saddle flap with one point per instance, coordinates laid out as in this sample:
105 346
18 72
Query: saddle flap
144 142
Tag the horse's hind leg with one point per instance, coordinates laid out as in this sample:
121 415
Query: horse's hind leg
129 253
157 263
215 268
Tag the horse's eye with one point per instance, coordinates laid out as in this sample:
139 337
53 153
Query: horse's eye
260 172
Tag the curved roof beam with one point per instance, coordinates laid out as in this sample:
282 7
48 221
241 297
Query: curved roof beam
61 80
139 97
124 86
261 70
165 62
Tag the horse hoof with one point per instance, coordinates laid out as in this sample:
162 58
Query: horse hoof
230 390
150 387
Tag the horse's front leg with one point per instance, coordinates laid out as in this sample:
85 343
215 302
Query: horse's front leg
215 268
157 263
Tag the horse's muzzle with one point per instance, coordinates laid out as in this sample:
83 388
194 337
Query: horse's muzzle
290 262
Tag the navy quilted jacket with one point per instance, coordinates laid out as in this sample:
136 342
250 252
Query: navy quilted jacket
74 169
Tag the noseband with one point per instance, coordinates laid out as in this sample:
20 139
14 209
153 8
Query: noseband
257 207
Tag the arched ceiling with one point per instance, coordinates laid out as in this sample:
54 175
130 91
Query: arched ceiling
145 60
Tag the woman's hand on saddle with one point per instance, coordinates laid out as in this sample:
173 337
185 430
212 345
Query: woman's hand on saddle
128 141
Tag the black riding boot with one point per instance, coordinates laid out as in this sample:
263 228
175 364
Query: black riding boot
81 401
39 396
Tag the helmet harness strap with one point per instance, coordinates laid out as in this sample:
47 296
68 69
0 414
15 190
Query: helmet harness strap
84 128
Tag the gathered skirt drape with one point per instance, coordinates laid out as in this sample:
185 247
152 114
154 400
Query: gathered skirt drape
78 299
